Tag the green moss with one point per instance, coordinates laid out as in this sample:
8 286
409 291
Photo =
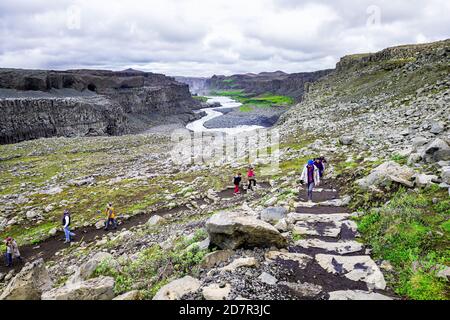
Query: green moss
200 98
412 235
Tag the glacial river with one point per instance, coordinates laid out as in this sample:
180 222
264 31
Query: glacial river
198 125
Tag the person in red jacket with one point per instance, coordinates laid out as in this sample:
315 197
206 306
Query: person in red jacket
251 178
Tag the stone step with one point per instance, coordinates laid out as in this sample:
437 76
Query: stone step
357 295
340 247
325 228
311 217
356 268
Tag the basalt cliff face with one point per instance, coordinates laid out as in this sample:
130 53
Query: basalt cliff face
293 85
39 103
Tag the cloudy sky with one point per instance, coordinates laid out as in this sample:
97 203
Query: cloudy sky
206 37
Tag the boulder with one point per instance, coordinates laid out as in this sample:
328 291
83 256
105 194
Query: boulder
101 288
29 283
436 150
216 292
214 258
86 270
231 230
177 288
155 220
273 214
386 173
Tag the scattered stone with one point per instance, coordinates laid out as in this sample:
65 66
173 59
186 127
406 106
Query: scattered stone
155 220
273 214
86 270
356 295
267 278
29 283
130 295
346 140
216 292
240 263
214 258
101 288
302 290
177 288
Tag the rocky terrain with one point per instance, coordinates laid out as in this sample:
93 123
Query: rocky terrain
378 227
38 103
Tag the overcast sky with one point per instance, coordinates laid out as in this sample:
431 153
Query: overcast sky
206 37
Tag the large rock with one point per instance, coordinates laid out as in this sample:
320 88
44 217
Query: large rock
273 214
177 288
29 283
436 150
101 288
231 230
386 173
86 270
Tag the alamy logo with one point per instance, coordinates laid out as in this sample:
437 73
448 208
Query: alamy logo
258 147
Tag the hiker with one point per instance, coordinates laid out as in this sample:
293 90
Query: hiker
237 182
12 250
310 176
110 217
251 178
320 164
66 223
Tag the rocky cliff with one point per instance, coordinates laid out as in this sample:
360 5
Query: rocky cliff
279 83
39 103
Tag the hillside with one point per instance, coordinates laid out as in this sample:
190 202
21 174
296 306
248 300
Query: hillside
377 228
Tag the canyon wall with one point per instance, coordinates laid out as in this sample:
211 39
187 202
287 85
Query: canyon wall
39 103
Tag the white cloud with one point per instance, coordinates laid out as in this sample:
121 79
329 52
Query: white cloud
200 37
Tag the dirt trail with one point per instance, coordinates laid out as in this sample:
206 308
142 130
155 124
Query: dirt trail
47 248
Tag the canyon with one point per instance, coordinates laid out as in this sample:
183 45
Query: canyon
39 103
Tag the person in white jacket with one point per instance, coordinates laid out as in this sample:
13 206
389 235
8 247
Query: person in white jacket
310 177
66 223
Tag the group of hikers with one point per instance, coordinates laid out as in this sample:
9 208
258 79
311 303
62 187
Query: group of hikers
311 175
12 249
251 177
